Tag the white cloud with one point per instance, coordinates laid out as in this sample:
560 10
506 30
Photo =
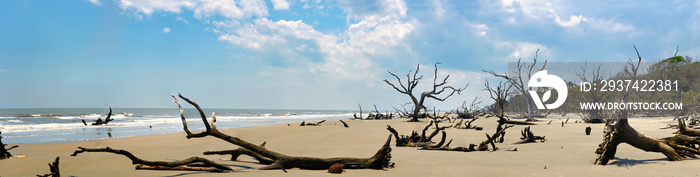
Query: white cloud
280 4
166 30
375 33
293 51
480 29
544 11
526 49
346 56
96 2
202 8
4 70
611 26
182 20
521 50
573 20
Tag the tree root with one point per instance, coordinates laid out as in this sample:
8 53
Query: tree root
529 137
684 130
55 171
416 140
619 131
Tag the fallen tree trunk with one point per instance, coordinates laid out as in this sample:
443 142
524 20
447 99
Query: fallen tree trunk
503 120
281 161
448 148
619 131
242 151
136 160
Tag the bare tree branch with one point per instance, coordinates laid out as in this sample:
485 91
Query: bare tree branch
412 82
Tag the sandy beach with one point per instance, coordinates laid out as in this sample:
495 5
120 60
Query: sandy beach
567 151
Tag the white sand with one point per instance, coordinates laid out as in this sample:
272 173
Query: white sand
567 151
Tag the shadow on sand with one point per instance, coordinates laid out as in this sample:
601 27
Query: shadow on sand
625 162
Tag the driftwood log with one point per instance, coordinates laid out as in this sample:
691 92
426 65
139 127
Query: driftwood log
55 171
416 140
4 152
282 161
483 146
344 124
160 165
242 151
303 123
99 121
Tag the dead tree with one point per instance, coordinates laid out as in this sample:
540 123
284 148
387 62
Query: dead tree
529 137
470 111
99 121
281 161
404 112
618 130
592 115
412 82
500 96
468 124
55 171
161 165
516 79
4 152
355 115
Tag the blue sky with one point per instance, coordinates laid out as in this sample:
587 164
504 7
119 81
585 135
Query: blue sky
306 54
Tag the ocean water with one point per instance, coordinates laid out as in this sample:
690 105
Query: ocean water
61 125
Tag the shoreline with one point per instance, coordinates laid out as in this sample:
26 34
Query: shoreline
38 126
567 151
